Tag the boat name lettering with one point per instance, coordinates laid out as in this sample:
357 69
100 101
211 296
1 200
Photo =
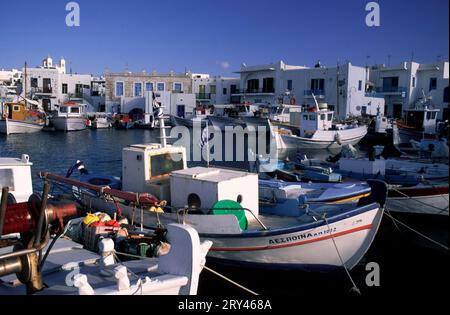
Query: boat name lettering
303 236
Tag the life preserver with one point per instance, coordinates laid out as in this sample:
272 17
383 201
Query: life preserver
5 115
293 101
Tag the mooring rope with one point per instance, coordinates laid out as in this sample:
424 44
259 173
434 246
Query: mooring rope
206 268
231 281
421 202
355 287
417 232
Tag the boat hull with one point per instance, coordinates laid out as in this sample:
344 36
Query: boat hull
419 200
179 121
222 122
326 139
298 247
68 123
312 249
9 126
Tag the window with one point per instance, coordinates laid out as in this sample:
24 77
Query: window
178 87
413 81
149 86
446 95
119 88
233 88
317 85
7 178
359 85
137 89
322 116
16 108
390 84
433 83
268 86
305 117
330 117
289 85
212 89
75 110
253 85
64 88
312 117
161 86
63 109
224 91
165 163
34 82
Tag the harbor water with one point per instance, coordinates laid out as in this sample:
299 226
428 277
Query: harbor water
407 262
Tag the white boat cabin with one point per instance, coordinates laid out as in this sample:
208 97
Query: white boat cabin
71 109
421 119
16 174
147 168
308 122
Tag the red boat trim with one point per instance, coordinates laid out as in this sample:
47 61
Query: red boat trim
231 249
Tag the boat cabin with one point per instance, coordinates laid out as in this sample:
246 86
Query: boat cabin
147 168
311 120
19 111
71 109
423 119
16 174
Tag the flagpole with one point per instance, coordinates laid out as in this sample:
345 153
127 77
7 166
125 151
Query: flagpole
207 145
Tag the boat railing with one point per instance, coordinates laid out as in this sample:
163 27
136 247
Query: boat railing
186 210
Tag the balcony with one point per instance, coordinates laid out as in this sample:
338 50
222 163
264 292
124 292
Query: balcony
253 91
41 91
317 93
391 90
203 96
374 94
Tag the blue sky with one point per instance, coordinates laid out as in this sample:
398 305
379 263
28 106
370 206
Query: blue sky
216 36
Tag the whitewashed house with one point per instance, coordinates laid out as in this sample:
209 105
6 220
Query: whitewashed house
51 85
127 92
404 84
343 87
213 90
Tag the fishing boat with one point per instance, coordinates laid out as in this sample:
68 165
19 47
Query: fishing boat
20 118
69 268
189 122
101 123
223 206
314 129
232 115
415 187
70 116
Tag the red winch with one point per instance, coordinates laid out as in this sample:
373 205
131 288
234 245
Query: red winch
24 217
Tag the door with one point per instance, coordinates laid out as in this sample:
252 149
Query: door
397 112
46 104
47 85
180 111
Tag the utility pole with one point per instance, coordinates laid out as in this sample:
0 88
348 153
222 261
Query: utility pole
25 85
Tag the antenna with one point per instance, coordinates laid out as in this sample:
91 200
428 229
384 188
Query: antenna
389 60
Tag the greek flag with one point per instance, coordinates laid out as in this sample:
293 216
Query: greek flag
205 138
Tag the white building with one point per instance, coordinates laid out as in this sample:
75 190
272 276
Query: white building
213 90
51 85
11 80
343 87
402 85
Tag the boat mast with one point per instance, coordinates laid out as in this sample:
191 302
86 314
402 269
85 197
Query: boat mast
337 89
25 85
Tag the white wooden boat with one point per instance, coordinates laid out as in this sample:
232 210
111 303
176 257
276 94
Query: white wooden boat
101 123
70 269
17 118
15 173
316 130
71 116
